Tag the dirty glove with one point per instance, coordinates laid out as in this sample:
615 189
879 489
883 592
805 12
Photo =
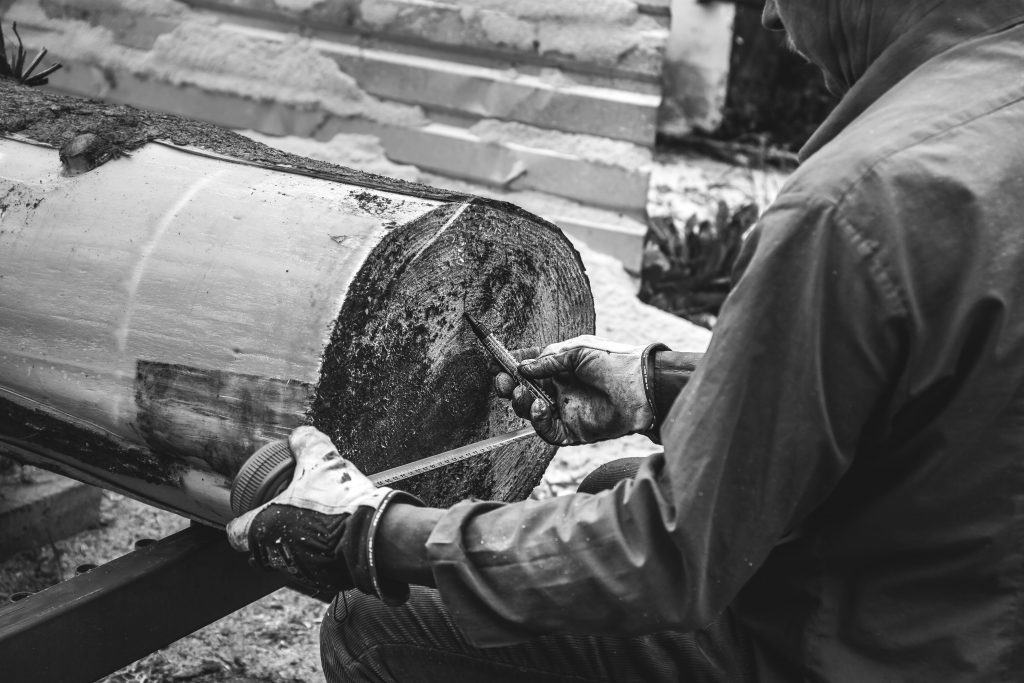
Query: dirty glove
320 530
601 388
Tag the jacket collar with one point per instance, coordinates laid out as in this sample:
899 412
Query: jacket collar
948 25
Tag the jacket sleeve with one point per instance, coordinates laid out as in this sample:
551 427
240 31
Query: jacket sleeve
800 360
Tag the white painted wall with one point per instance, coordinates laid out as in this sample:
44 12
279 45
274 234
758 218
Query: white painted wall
696 66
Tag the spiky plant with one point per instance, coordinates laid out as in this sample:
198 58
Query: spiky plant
16 68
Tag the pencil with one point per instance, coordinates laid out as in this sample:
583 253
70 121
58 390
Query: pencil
506 360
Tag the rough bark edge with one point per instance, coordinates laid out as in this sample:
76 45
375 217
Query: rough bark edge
54 119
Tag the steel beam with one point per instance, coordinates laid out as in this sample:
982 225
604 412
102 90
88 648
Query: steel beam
100 621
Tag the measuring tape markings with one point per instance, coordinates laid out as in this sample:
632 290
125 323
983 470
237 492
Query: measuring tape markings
453 456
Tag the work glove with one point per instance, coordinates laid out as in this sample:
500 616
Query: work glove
320 529
601 389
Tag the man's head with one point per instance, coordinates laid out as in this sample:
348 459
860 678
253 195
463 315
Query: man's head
843 37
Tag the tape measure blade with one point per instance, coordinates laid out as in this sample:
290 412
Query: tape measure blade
451 457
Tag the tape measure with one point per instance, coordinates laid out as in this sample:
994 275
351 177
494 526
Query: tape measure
269 470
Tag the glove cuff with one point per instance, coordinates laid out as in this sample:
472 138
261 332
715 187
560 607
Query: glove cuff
392 593
647 373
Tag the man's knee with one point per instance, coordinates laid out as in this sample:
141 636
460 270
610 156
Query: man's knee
349 632
362 639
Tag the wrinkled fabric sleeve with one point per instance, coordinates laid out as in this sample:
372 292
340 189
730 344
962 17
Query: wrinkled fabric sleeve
802 356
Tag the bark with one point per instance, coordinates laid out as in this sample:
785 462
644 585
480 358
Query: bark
192 294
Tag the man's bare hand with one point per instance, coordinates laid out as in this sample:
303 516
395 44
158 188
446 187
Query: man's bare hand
598 386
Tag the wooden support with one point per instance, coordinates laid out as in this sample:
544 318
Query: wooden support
168 312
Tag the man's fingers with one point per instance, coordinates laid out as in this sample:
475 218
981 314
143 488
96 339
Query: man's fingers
522 399
309 446
495 368
547 425
547 367
524 354
238 529
504 385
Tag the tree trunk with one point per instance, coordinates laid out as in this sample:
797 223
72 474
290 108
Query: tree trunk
169 311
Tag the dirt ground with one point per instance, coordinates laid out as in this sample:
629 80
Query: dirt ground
276 639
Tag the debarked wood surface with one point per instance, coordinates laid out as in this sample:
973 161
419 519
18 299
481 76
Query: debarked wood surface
168 312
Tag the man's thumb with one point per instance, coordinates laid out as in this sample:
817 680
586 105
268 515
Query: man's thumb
310 446
238 529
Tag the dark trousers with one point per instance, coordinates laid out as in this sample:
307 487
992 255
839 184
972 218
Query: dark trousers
363 640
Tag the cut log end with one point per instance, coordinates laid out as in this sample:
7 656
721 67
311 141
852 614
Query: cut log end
404 314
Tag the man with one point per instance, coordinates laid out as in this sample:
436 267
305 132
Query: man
841 496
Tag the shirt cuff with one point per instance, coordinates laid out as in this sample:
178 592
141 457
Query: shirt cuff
671 372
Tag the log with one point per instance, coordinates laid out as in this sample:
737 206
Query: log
174 295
